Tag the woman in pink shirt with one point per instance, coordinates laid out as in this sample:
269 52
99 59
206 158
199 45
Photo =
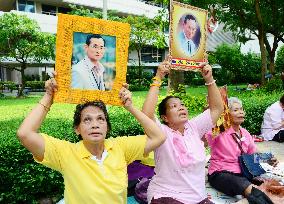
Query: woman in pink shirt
180 160
224 172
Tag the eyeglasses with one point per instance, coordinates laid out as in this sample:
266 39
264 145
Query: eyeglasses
97 47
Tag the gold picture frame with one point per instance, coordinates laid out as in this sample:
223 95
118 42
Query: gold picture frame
187 52
71 31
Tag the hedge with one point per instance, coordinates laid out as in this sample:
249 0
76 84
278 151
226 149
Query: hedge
255 105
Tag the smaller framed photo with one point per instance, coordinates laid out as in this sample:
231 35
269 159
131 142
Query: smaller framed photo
188 34
91 59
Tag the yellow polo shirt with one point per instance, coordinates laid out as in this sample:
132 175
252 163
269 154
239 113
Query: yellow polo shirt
85 180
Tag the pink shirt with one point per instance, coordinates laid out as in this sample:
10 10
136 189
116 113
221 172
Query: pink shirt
225 151
180 162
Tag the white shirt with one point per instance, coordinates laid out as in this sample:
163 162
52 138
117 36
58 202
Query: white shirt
272 119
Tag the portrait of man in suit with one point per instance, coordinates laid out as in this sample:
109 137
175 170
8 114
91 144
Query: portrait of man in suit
188 38
89 73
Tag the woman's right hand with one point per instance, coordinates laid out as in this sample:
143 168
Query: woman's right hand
164 68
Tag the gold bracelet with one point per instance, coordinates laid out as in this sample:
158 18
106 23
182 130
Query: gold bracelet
157 79
44 106
210 83
157 85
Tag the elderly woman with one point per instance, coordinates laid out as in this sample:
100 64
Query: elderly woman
180 160
224 172
94 169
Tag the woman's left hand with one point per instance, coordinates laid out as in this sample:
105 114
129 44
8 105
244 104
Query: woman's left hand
125 96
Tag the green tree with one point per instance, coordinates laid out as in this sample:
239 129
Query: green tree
262 19
145 32
22 40
236 66
279 63
81 11
230 59
246 19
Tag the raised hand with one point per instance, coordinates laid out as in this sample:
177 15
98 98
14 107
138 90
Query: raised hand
51 85
206 72
164 68
125 96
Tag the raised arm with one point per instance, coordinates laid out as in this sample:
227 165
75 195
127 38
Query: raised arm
155 137
214 96
151 100
28 131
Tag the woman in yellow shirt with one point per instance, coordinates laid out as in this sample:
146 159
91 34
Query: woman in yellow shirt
94 169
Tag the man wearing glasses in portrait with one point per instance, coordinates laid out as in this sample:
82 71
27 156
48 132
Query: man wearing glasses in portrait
187 35
88 73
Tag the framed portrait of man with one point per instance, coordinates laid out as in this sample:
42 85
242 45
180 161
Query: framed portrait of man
91 59
188 28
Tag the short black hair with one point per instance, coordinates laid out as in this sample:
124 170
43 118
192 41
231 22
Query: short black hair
188 17
282 99
89 37
80 107
162 108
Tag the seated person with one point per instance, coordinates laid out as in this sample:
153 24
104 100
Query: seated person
180 162
272 127
250 87
224 173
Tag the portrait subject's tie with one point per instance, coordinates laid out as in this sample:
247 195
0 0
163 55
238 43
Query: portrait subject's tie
96 76
189 46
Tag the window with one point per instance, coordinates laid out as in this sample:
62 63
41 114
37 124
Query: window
49 10
151 54
63 10
27 6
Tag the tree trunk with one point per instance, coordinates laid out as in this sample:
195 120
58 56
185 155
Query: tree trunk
272 63
263 58
23 81
261 42
176 78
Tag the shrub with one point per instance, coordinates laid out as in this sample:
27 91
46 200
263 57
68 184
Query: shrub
275 84
193 103
235 65
136 82
139 84
10 85
255 104
35 85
